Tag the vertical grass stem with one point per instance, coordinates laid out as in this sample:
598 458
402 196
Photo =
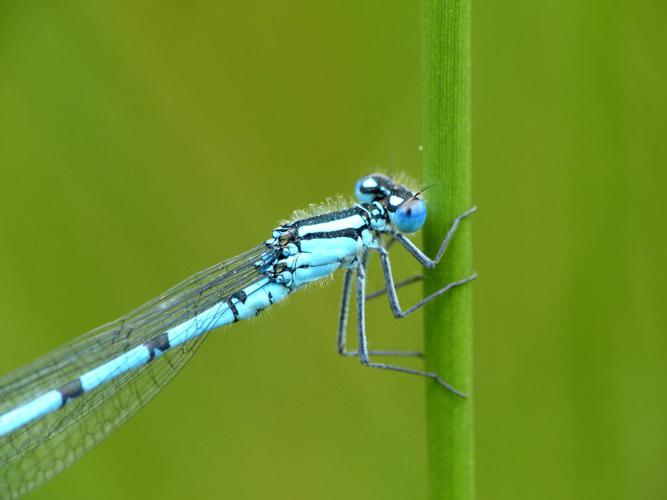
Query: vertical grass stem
446 163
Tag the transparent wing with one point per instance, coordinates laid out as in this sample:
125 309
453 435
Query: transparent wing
32 454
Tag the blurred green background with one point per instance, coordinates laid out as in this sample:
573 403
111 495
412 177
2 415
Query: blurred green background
143 141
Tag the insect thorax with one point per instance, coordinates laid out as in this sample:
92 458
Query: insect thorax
313 248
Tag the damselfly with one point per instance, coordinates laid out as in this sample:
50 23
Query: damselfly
56 409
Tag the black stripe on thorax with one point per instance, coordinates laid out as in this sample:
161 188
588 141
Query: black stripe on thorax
342 233
331 216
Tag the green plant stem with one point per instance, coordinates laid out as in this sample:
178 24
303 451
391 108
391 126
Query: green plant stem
448 322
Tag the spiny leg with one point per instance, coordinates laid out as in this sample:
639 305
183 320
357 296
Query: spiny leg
393 296
418 254
364 353
342 323
343 314
400 284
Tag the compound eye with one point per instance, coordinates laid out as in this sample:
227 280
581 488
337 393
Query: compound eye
410 216
367 189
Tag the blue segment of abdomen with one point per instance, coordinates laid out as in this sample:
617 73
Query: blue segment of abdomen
111 369
217 315
38 407
257 297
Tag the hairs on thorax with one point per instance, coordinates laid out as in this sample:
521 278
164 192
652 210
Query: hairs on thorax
340 202
331 204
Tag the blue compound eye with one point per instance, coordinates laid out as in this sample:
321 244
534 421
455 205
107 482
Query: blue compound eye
366 189
410 216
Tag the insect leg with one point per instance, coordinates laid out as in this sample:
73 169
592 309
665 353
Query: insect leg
393 296
344 314
364 353
418 254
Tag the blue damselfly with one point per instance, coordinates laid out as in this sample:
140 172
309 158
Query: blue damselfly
57 408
